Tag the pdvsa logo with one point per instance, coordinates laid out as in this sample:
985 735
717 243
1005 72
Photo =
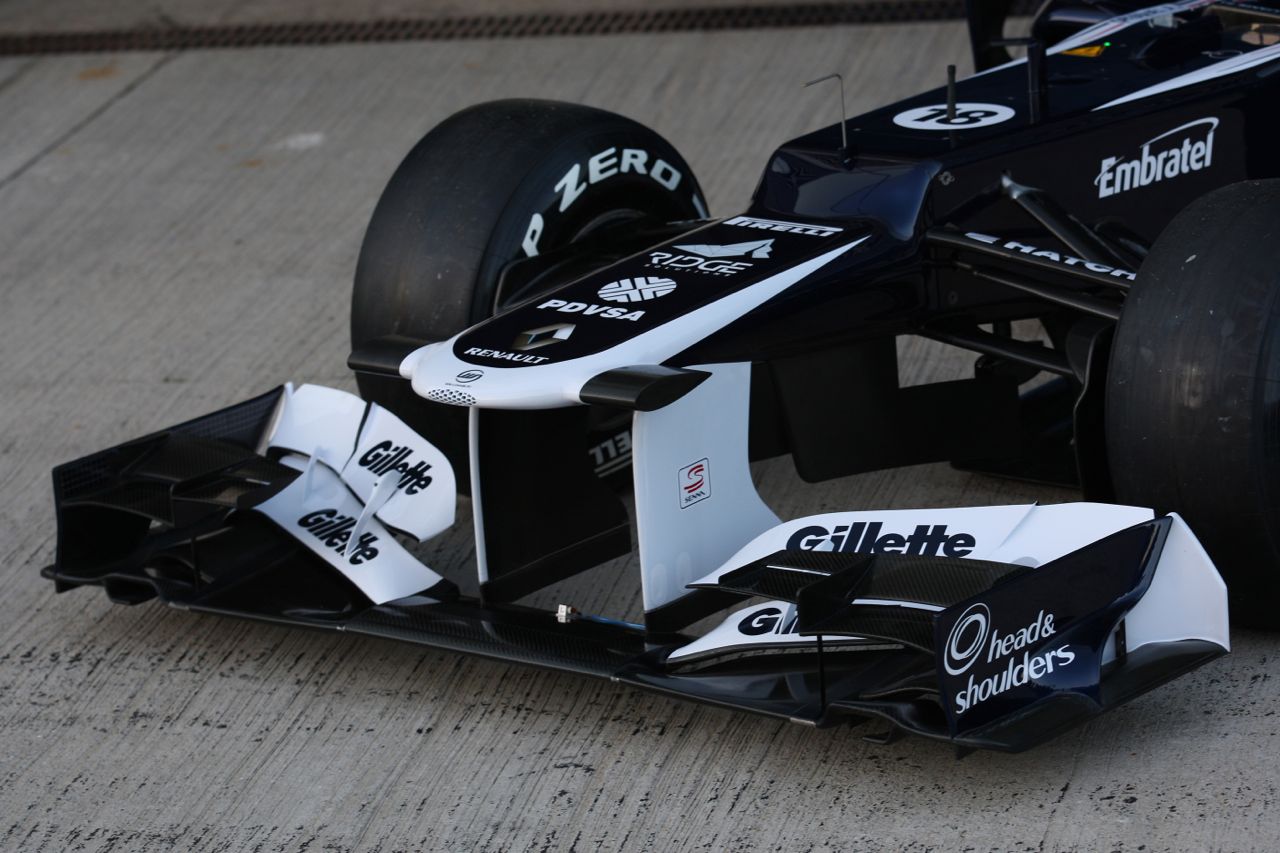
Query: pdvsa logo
334 529
695 483
588 309
387 458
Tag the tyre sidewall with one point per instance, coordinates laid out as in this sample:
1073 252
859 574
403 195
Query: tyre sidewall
590 176
1193 396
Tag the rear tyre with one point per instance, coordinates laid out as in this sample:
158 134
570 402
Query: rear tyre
1193 393
487 186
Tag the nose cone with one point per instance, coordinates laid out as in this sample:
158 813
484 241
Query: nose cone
533 382
541 353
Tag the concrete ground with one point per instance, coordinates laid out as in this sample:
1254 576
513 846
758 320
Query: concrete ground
178 232
25 16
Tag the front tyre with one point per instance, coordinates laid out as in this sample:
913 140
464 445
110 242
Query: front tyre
1193 395
488 186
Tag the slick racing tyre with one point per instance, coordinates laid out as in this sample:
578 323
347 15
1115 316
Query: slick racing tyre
488 186
1193 395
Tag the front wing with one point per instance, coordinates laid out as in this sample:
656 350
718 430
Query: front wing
292 508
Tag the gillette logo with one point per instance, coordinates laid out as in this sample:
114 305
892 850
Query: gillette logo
863 537
973 634
334 529
385 457
1172 157
769 620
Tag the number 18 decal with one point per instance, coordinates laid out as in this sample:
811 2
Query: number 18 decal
967 117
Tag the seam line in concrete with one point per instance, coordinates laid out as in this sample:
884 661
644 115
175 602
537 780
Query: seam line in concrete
97 111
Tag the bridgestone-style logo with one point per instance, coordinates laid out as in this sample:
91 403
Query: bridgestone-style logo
642 288
966 117
1185 149
968 636
334 529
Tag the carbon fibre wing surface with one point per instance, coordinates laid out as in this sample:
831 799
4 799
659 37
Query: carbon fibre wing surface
297 507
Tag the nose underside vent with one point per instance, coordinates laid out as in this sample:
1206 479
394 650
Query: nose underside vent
450 396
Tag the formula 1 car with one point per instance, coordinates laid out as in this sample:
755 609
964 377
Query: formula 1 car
547 321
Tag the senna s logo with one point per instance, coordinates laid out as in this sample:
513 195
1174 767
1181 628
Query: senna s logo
385 458
863 537
1185 149
695 483
974 637
334 529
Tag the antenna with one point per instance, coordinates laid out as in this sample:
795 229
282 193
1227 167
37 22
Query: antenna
1037 74
951 93
844 134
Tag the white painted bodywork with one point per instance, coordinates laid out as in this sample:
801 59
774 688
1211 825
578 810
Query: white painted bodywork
388 573
435 370
329 435
338 429
1187 598
677 541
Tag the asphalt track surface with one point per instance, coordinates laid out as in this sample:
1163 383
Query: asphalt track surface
178 232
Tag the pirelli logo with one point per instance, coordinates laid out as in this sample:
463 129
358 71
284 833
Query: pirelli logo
785 227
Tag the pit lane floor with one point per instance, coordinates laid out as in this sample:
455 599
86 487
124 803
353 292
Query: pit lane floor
178 232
